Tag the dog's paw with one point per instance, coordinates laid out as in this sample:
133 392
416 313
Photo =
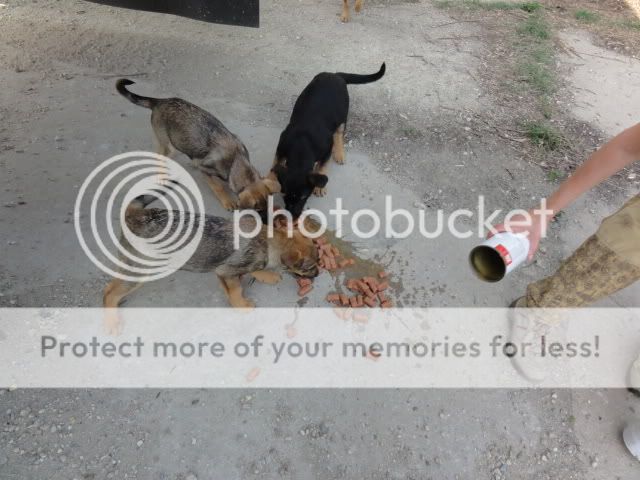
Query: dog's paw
358 5
320 192
344 18
230 205
339 159
270 278
244 304
113 325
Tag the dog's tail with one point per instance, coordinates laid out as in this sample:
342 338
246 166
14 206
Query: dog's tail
354 78
132 97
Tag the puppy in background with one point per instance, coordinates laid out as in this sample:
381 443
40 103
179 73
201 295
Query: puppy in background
315 134
345 17
218 153
259 256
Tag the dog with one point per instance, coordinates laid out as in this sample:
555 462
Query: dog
314 134
259 256
345 17
218 153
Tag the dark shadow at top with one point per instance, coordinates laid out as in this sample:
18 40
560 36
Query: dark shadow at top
244 13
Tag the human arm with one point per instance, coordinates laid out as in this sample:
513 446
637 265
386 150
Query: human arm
618 153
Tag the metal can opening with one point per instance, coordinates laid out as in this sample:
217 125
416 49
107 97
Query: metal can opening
487 263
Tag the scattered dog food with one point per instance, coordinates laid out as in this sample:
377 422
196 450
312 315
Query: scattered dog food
368 292
329 256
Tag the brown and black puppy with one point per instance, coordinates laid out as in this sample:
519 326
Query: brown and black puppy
259 256
218 153
314 134
345 17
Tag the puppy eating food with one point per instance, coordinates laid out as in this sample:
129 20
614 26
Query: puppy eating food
258 256
218 153
314 134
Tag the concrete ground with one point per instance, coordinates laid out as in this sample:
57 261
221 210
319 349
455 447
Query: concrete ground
62 117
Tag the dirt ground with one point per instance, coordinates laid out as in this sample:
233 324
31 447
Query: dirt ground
443 126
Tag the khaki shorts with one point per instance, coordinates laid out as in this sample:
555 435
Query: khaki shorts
621 232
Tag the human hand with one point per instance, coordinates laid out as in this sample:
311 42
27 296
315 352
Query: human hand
534 225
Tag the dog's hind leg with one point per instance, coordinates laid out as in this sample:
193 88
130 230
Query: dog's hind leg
164 148
115 291
345 11
220 190
359 5
233 289
337 151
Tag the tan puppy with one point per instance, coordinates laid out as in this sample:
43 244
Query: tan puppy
218 153
259 256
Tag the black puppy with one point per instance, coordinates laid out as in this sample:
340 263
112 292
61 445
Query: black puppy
314 134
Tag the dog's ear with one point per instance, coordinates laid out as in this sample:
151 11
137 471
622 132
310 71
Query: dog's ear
272 185
291 257
318 180
281 220
246 199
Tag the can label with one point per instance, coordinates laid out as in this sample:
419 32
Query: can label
504 253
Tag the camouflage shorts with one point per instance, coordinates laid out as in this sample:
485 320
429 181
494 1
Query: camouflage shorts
605 263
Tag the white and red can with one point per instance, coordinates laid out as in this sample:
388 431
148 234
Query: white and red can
499 255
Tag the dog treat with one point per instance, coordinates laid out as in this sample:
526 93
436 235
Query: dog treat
369 301
360 300
344 263
334 264
383 274
333 297
370 281
360 317
386 304
344 299
382 297
383 286
291 331
343 313
253 374
353 301
303 282
374 352
304 290
375 356
366 290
